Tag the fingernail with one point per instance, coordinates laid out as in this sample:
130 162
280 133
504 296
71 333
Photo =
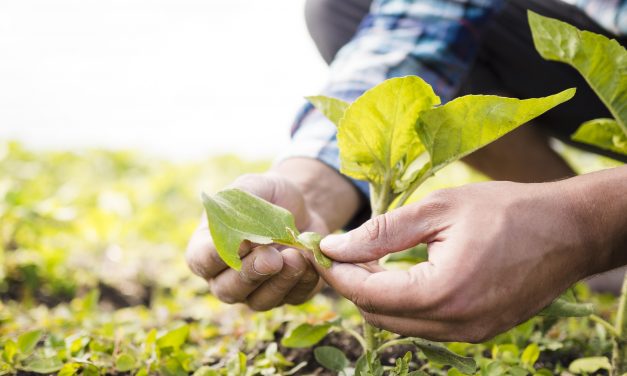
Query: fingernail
262 267
334 242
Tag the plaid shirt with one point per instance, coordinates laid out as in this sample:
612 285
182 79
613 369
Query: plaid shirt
434 39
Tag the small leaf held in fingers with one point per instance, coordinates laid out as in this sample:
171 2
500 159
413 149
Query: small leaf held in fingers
234 216
311 240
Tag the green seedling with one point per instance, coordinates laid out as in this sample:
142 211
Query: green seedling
603 64
395 136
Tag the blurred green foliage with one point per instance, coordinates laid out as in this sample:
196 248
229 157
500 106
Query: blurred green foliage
93 279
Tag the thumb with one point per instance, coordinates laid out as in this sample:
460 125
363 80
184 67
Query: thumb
387 233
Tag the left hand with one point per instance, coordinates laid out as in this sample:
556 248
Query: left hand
498 253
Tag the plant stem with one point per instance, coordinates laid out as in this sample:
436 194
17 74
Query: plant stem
380 199
395 342
357 336
609 327
412 188
371 335
619 353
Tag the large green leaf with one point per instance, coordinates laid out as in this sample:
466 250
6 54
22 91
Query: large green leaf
305 335
332 108
600 60
235 215
458 128
376 136
604 133
437 353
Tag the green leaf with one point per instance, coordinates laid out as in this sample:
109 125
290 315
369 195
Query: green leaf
590 365
530 355
401 366
305 335
463 125
125 362
563 308
9 351
235 215
174 338
205 371
369 364
439 354
376 136
600 60
26 342
332 108
517 371
331 358
44 365
90 370
603 133
172 367
69 369
312 240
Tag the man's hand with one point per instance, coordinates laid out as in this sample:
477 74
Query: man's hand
498 253
271 276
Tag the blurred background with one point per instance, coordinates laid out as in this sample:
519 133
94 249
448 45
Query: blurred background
179 78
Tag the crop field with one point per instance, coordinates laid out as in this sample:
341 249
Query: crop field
93 281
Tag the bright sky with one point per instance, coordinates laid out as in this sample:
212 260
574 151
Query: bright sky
178 78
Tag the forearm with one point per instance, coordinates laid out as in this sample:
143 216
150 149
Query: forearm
600 208
326 192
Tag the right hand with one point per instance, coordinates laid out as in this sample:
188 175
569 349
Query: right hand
270 276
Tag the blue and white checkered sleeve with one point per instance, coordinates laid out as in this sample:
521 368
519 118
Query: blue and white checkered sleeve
434 39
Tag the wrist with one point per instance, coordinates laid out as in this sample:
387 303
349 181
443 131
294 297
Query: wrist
598 203
327 193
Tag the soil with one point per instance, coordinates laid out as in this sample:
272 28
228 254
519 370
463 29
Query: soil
342 341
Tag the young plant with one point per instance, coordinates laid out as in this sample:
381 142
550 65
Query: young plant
395 136
603 64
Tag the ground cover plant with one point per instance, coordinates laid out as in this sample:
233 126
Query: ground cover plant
91 246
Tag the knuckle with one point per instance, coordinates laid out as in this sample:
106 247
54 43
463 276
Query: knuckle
258 306
310 277
378 229
438 200
195 262
223 295
248 278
